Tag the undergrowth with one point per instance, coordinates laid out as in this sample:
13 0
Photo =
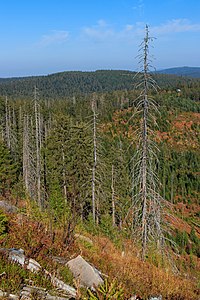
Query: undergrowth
14 277
116 259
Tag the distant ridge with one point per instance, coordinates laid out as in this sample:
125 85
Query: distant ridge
70 83
182 71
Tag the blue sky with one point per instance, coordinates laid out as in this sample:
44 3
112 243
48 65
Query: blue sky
48 36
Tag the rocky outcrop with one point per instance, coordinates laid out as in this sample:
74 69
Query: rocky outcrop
84 273
83 238
18 256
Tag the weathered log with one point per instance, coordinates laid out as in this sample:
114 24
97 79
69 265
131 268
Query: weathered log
50 297
29 292
17 255
60 260
61 285
8 296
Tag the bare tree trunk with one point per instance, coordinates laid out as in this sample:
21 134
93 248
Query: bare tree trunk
146 201
7 124
26 153
94 162
97 209
172 187
29 172
64 175
38 146
144 151
113 197
45 166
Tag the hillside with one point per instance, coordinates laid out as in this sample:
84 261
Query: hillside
115 256
65 84
46 170
193 72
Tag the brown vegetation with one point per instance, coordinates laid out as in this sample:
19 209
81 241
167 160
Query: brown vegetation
119 263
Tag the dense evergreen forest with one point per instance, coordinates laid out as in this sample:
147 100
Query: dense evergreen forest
61 85
47 144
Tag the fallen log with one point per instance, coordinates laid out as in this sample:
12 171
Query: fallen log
8 296
32 292
17 256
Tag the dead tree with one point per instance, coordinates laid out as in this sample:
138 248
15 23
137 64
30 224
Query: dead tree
146 198
113 198
29 169
38 146
64 174
26 154
7 124
98 166
94 161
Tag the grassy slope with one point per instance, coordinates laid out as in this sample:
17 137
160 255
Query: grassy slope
117 260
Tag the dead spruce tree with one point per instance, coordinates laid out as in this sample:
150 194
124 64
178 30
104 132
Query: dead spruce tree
147 202
99 167
94 160
7 124
26 156
32 144
38 143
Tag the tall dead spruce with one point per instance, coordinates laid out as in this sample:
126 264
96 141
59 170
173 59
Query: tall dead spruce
38 146
147 207
94 160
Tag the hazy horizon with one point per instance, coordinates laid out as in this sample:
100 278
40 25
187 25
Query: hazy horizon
35 75
50 36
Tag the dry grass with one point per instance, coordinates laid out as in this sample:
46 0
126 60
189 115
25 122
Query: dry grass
138 277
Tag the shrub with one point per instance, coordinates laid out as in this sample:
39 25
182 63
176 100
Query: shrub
3 224
107 291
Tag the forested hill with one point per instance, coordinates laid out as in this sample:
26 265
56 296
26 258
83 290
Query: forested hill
75 82
71 168
193 72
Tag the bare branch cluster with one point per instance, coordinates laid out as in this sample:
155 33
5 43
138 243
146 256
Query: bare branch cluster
147 202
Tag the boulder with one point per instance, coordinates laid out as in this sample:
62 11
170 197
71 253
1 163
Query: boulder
87 275
83 238
5 206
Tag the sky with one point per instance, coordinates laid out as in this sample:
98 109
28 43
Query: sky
40 37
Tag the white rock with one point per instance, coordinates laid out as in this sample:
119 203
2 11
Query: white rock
87 275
